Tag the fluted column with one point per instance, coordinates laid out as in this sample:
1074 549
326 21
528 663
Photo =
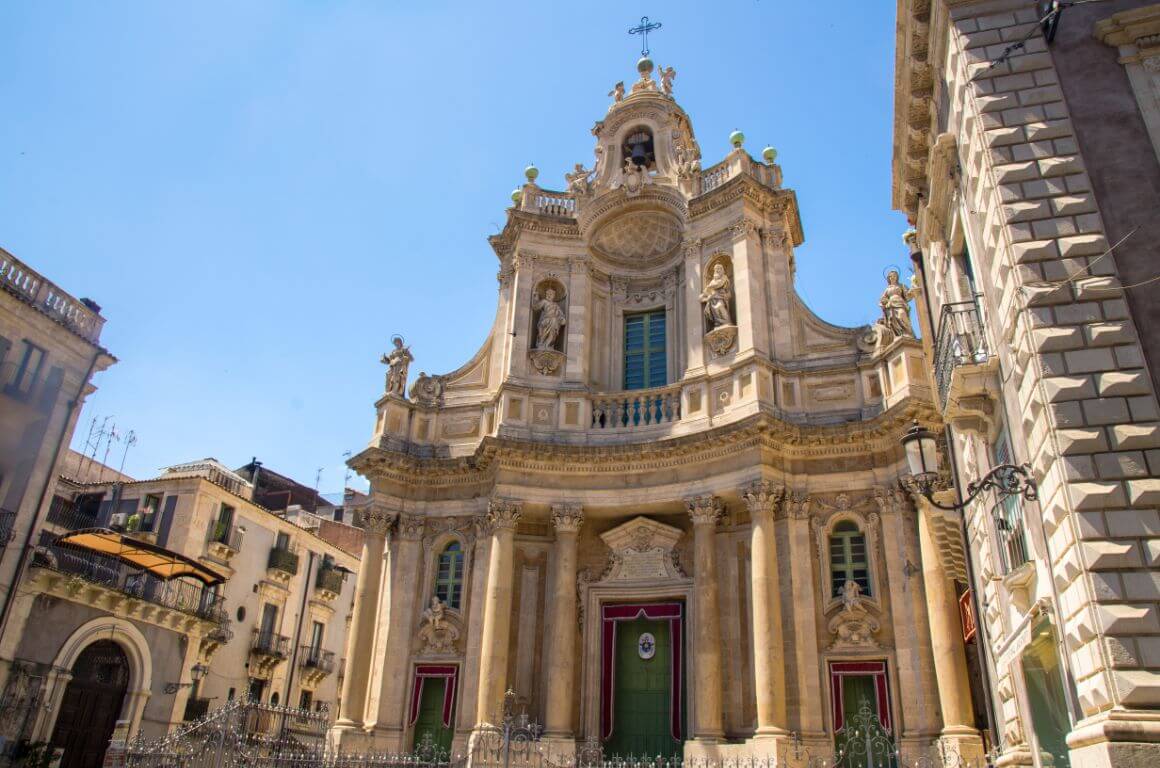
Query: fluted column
764 500
360 648
502 516
705 511
946 633
403 587
802 559
567 519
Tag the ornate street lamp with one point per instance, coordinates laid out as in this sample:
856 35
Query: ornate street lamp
922 456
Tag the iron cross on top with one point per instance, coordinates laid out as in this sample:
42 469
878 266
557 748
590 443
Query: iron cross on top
643 29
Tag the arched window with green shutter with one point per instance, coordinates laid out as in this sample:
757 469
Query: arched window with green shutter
449 575
848 558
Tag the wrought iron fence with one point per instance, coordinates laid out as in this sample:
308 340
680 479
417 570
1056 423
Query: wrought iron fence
961 340
179 594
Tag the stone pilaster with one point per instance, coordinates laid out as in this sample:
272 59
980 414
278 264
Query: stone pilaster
764 500
805 617
360 648
403 590
502 517
566 519
705 511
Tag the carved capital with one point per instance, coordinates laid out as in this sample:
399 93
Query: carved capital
410 527
798 505
763 497
743 227
503 514
377 519
567 518
704 510
691 247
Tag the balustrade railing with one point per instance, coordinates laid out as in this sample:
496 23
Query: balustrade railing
555 204
20 279
962 340
636 408
715 176
178 594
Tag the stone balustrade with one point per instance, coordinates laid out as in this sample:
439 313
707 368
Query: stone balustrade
716 175
551 203
637 408
18 278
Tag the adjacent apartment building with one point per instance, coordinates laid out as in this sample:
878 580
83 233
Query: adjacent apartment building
1026 145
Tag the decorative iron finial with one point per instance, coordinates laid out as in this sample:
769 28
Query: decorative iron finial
643 29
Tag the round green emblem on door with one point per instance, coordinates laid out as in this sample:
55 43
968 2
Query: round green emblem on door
646 646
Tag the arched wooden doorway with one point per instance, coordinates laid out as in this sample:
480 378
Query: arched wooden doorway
91 705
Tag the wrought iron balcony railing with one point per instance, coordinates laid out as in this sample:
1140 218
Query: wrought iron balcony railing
962 340
7 524
270 644
316 658
283 560
329 579
178 594
1012 533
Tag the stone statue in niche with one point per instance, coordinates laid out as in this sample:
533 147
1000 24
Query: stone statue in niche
668 75
716 297
854 626
579 181
436 633
895 303
398 360
551 320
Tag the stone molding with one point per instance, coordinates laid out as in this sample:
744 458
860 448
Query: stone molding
764 497
567 517
704 510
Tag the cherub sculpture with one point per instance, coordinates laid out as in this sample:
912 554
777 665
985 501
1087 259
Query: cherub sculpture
668 75
579 181
617 93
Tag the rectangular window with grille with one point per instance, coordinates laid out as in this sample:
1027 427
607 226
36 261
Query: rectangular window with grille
645 359
1008 513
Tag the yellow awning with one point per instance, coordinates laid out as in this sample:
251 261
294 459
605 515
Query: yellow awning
159 561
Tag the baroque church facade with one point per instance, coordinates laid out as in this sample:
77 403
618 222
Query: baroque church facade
662 505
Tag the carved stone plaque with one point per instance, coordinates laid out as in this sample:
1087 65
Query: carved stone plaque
642 550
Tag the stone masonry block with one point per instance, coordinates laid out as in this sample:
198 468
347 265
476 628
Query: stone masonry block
1097 495
1066 146
1001 137
1121 652
1116 465
1069 314
1096 287
1078 182
1044 76
1110 555
1120 383
997 102
1059 166
1032 150
1048 129
1055 110
1034 250
1024 115
1115 309
1129 356
1070 205
1087 440
1127 619
1054 227
1088 222
995 21
1029 62
1018 82
1063 415
1137 688
1012 172
1144 408
1107 586
1053 339
1142 585
1152 551
1149 651
1027 210
1089 360
1045 187
1081 245
1132 523
1045 295
1106 410
1061 388
1076 468
1144 492
1109 332
1126 437
982 37
1041 95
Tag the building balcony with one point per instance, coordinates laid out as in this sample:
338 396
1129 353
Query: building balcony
328 583
965 366
268 650
223 541
82 316
316 664
282 564
99 580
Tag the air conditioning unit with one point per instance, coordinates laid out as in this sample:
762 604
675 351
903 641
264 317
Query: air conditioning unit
119 520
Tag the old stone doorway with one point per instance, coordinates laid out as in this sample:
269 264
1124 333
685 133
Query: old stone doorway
91 704
643 687
433 694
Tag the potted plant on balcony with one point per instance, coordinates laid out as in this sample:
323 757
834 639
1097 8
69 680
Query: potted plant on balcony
219 531
133 524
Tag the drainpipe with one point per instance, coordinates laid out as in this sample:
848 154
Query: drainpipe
298 629
916 257
48 480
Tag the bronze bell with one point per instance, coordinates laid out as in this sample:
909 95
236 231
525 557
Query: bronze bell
639 157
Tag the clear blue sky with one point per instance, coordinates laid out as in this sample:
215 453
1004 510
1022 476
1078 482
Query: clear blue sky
260 193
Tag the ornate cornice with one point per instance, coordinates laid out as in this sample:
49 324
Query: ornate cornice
777 204
763 497
704 510
567 517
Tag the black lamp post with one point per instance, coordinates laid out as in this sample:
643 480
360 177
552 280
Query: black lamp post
922 456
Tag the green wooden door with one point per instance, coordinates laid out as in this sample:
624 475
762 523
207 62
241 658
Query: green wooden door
642 702
430 722
862 741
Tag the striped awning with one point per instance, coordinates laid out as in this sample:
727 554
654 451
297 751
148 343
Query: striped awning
157 560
